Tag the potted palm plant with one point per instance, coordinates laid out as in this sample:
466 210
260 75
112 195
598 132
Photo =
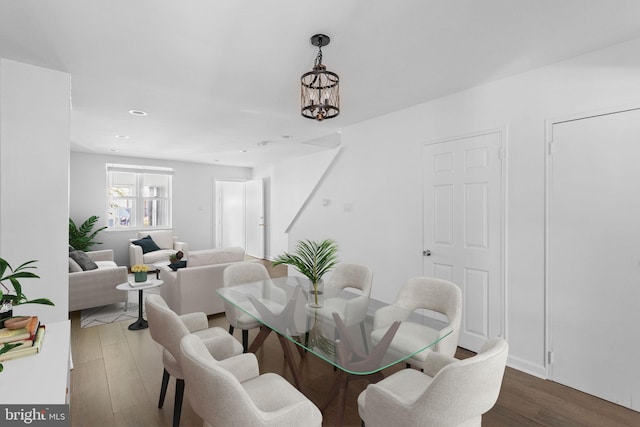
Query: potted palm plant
312 259
81 238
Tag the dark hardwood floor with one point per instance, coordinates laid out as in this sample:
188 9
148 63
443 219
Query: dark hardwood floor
117 373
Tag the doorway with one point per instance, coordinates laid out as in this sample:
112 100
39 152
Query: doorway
464 229
593 255
240 216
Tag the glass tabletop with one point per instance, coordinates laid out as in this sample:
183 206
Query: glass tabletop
353 332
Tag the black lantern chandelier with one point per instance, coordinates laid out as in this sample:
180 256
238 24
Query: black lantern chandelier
320 95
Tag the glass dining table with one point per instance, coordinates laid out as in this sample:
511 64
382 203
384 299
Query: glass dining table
356 334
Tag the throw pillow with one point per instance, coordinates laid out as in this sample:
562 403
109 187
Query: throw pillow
147 244
74 267
176 265
83 260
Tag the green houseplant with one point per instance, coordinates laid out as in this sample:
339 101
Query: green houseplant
11 292
312 259
81 238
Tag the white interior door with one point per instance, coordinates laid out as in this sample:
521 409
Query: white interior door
255 227
463 228
230 214
594 256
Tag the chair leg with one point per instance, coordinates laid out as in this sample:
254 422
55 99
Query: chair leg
163 388
364 337
230 330
177 406
245 340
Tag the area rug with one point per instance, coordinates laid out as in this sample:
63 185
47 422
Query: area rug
111 313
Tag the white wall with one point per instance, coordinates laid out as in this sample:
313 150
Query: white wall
379 174
34 181
193 198
288 186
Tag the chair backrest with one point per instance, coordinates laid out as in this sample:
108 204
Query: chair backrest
244 272
163 238
165 326
438 295
213 392
352 276
236 274
465 389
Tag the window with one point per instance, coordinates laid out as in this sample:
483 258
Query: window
138 197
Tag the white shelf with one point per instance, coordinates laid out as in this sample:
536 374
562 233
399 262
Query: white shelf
41 378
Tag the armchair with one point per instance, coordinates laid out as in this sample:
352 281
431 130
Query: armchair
437 295
233 393
167 329
95 288
450 392
149 254
351 311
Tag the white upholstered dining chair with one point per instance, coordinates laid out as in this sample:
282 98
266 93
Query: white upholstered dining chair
351 311
438 295
450 392
167 329
231 392
236 274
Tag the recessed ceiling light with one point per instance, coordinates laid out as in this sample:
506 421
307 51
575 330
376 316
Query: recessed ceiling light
113 150
286 136
138 112
122 136
243 151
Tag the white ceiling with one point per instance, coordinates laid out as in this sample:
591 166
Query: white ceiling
220 76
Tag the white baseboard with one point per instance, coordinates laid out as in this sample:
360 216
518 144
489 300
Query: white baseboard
527 367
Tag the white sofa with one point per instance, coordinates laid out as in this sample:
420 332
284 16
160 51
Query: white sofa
95 288
164 239
193 288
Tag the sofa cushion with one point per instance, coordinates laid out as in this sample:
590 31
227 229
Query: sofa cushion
103 265
157 256
74 267
83 260
147 244
163 238
215 256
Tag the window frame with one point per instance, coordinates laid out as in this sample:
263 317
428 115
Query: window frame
138 202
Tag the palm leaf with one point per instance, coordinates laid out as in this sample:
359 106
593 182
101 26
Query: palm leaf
312 259
81 238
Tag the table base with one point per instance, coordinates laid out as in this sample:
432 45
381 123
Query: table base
138 324
141 323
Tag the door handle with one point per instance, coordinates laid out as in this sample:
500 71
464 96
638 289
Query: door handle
426 252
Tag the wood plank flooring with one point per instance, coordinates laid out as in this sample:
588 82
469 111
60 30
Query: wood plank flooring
117 374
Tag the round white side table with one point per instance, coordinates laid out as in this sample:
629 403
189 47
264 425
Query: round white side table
141 323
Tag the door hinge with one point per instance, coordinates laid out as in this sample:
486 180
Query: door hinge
550 357
551 148
501 153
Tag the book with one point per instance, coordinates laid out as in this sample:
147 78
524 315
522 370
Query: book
28 332
136 284
26 349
